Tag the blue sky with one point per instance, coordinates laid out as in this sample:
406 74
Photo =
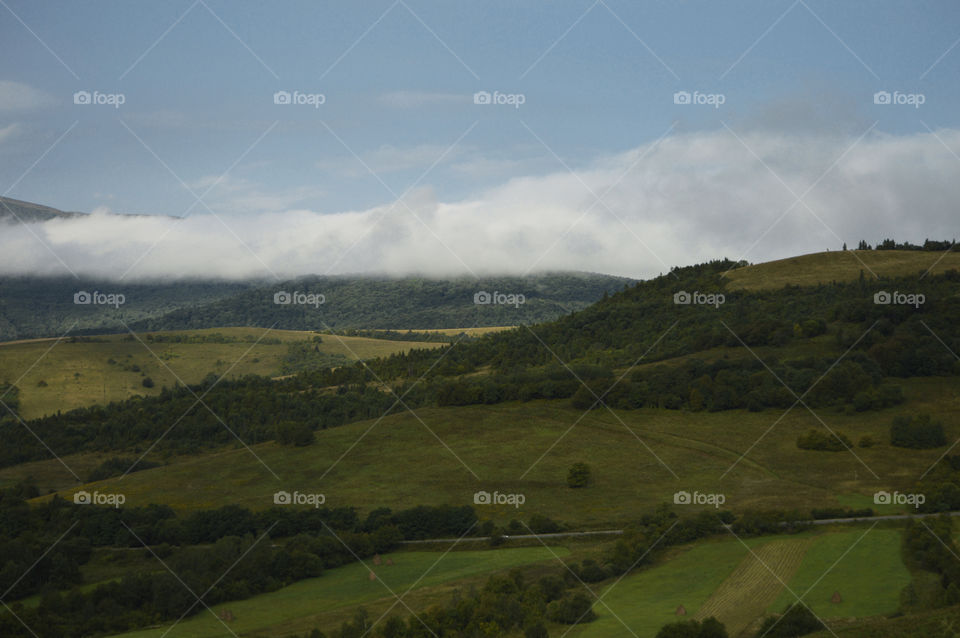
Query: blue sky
597 81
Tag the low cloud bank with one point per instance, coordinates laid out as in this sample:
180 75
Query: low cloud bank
690 198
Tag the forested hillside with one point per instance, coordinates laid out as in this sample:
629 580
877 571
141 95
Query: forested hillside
33 307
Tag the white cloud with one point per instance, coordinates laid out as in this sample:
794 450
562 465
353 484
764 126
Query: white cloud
8 131
15 96
691 198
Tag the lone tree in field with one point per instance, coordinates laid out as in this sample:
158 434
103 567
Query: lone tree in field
294 433
578 475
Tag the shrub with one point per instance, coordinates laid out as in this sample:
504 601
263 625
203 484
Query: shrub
540 524
571 610
819 440
709 628
796 620
579 475
294 433
917 433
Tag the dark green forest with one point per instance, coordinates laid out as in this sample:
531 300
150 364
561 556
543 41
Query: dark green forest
44 307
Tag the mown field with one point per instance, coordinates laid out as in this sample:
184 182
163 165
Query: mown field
817 268
725 579
327 601
444 455
62 375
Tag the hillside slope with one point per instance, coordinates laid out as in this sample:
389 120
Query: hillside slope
846 265
43 307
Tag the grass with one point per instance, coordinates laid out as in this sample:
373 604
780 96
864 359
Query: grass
722 578
754 584
862 565
444 455
649 599
817 268
328 600
56 376
937 623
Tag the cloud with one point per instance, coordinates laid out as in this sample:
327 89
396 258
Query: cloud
8 131
15 96
690 198
417 99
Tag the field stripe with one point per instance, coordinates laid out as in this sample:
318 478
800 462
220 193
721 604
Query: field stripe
745 595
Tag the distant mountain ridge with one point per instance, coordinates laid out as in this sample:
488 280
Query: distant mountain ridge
16 209
33 307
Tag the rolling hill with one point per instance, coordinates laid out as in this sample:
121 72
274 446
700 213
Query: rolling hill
32 307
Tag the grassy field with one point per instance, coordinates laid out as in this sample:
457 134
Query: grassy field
59 376
868 577
817 268
754 584
649 599
330 599
722 578
444 455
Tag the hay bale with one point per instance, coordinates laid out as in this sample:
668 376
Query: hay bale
681 611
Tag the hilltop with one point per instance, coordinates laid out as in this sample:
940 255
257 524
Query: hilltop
14 210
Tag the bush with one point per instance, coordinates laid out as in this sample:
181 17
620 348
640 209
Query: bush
709 628
579 475
866 441
825 441
571 610
293 433
540 524
917 433
591 572
797 620
147 382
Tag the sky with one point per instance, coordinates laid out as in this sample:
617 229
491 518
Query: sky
439 137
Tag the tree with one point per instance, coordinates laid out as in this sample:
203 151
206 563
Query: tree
294 433
918 432
571 610
709 628
797 620
579 475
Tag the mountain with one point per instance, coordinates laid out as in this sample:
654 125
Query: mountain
42 307
15 209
